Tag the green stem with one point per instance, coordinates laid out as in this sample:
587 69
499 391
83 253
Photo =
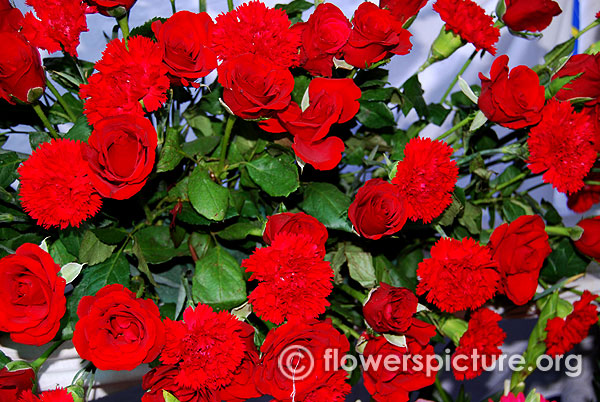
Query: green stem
512 181
174 8
37 363
225 142
443 394
61 100
38 110
124 25
592 182
462 70
346 329
574 232
202 6
230 5
361 297
460 124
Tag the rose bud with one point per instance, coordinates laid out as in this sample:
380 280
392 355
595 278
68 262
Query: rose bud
297 223
512 100
120 154
22 75
520 249
185 40
530 15
390 309
377 210
12 383
589 242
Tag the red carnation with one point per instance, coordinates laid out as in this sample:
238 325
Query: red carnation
564 333
57 395
296 223
403 10
185 40
127 74
294 279
255 28
254 87
59 25
528 15
589 242
323 37
207 346
512 100
520 249
562 145
165 377
409 370
378 209
426 178
587 85
304 356
376 35
459 275
55 188
466 19
479 347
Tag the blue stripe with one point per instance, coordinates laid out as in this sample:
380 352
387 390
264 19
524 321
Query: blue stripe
575 23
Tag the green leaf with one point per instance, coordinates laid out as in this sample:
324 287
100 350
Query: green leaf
92 251
57 114
378 94
375 115
157 246
207 197
405 273
170 153
81 130
414 93
37 138
70 271
300 86
241 230
168 397
466 89
65 72
201 124
508 174
146 28
201 146
558 83
471 218
295 8
4 360
8 168
360 265
328 204
559 52
512 209
142 264
438 113
219 280
277 176
564 261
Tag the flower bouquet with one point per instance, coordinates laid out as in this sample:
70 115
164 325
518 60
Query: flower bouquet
246 205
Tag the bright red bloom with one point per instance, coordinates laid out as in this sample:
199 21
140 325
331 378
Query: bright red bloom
376 35
528 15
294 279
55 188
323 37
56 395
109 7
296 223
479 347
589 242
165 377
394 382
565 333
126 75
12 383
207 346
255 28
587 84
403 10
562 145
459 275
59 25
426 178
10 17
593 112
467 19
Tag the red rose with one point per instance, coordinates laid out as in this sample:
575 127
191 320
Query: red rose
589 242
120 154
390 309
165 377
21 73
304 356
32 295
243 386
185 40
12 383
376 35
513 101
403 10
405 374
587 85
377 210
530 15
254 87
582 200
107 7
323 37
520 249
297 223
10 17
116 330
